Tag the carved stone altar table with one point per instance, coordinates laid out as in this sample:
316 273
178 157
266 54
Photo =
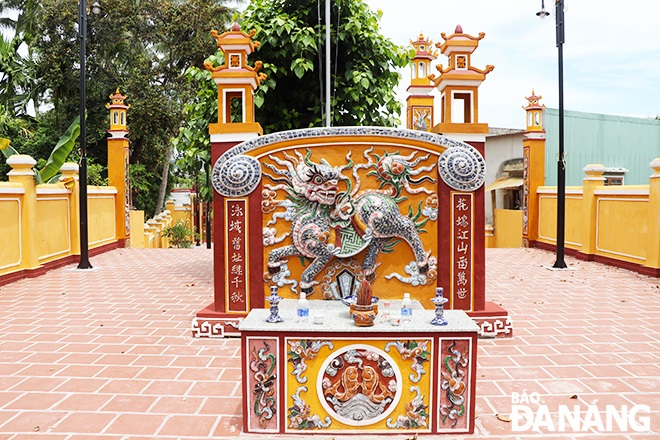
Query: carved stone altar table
304 377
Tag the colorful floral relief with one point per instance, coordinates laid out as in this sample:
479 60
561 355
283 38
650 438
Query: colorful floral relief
416 415
300 416
454 370
302 350
416 351
262 365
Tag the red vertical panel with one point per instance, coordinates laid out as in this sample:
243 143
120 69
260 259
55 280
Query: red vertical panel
462 252
236 256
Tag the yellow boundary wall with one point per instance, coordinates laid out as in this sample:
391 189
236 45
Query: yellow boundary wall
40 223
618 225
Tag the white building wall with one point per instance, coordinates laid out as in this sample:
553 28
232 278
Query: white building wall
499 149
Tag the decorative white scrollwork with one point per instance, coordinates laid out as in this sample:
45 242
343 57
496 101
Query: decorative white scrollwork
462 168
236 176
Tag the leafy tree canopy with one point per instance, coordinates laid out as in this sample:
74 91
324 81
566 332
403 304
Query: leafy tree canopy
143 47
364 63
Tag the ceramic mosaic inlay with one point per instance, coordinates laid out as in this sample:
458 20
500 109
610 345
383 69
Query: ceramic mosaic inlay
301 351
300 416
236 176
525 198
416 415
341 279
462 168
417 352
331 215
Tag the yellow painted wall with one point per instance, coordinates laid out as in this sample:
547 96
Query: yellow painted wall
10 231
49 230
548 219
101 216
137 229
183 213
508 233
619 220
622 227
53 224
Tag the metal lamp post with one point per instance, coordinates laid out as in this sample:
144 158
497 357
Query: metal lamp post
561 166
82 31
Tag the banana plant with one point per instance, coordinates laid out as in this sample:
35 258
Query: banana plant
7 150
58 155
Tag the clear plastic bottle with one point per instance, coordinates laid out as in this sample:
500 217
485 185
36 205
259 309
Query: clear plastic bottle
302 310
386 310
406 308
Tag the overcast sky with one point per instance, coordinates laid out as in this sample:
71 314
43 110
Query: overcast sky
611 53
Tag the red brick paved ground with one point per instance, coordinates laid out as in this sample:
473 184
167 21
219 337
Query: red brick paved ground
107 353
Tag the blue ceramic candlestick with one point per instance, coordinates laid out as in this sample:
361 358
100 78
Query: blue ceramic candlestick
274 299
439 302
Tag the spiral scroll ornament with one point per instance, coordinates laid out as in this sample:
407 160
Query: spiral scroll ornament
236 176
462 168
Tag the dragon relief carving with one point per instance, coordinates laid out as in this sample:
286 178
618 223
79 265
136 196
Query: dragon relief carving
328 222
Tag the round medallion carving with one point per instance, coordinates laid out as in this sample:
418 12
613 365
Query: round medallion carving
236 176
462 168
359 385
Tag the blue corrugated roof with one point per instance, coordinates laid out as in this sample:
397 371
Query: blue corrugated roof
614 141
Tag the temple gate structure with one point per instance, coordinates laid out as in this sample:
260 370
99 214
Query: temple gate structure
319 210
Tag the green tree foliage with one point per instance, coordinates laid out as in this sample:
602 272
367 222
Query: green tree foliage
25 24
364 63
143 47
18 84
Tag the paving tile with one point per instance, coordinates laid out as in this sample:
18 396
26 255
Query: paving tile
128 402
186 426
220 388
168 388
40 436
124 386
83 402
85 422
123 364
36 401
31 421
228 426
182 405
159 373
222 406
39 384
136 424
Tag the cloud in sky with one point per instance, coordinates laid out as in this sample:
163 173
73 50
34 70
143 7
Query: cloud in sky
611 53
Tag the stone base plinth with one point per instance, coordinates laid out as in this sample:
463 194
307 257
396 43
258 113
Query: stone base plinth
493 321
211 324
327 376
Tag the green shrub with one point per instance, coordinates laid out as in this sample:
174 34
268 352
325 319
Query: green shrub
179 234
